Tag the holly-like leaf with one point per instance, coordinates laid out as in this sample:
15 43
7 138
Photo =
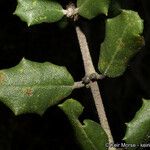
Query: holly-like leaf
89 134
32 87
122 42
39 11
138 130
92 8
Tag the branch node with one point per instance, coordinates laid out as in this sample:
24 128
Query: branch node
71 12
86 80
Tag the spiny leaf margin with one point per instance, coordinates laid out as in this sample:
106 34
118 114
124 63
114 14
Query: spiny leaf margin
32 87
138 129
122 41
92 8
39 11
90 135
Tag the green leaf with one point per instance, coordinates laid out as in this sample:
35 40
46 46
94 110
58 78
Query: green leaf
32 87
122 42
89 134
138 130
92 8
38 11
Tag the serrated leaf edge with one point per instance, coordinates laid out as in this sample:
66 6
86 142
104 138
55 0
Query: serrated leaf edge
137 113
82 126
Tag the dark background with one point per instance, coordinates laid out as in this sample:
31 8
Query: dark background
48 42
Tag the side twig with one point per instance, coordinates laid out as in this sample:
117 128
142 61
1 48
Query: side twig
89 69
78 85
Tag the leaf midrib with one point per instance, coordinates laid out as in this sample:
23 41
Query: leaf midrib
116 52
83 131
36 85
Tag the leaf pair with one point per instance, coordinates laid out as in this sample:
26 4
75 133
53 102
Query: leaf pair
32 87
38 11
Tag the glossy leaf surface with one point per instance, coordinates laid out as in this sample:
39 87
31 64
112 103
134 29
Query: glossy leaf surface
138 130
92 8
89 134
32 87
122 42
38 11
